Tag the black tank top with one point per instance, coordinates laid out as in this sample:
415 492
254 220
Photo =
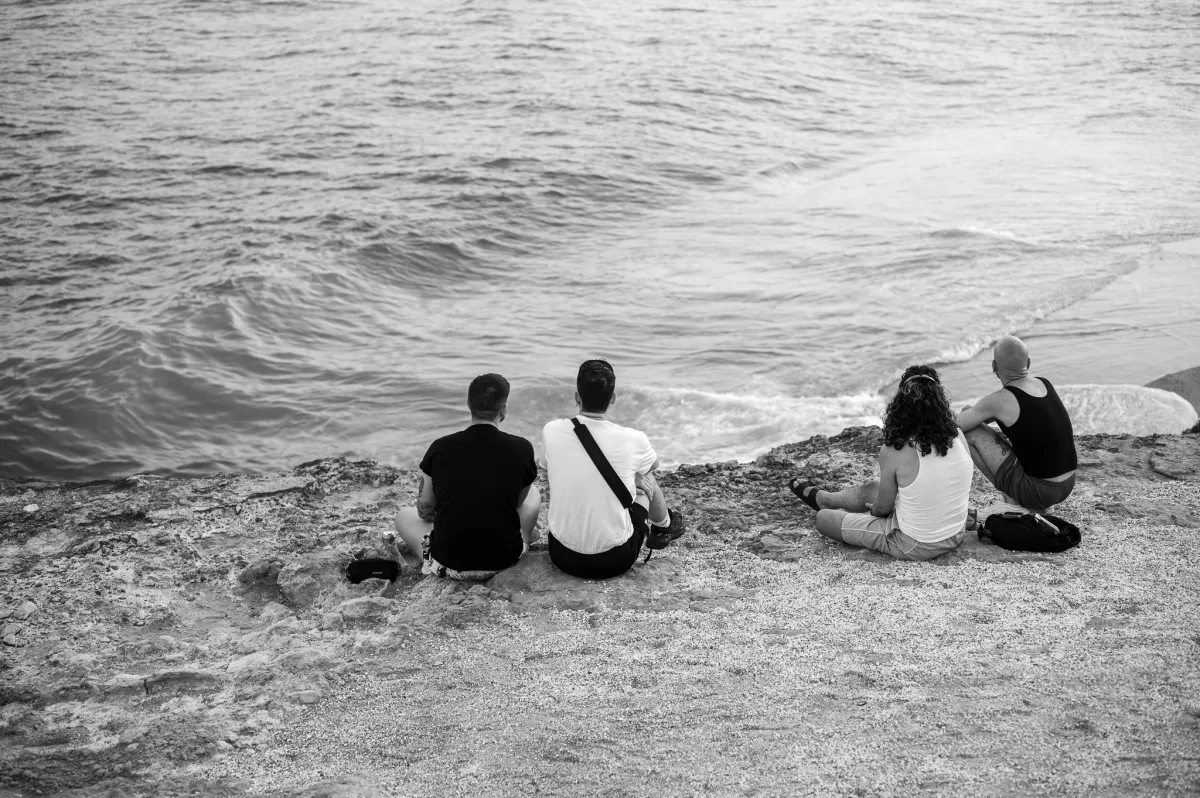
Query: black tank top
1041 436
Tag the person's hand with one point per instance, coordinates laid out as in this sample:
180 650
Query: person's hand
644 483
425 513
870 506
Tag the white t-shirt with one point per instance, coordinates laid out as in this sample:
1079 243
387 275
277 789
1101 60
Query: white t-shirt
585 515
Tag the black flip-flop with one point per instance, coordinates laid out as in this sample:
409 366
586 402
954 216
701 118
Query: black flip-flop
801 489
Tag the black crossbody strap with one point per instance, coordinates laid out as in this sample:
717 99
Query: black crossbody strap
602 465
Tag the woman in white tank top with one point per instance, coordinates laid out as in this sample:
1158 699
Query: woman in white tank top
917 509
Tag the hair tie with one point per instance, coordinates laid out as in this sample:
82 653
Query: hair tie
919 377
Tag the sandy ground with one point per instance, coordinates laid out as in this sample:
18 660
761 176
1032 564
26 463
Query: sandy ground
194 638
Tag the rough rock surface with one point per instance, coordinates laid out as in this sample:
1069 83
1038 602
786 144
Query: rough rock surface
197 637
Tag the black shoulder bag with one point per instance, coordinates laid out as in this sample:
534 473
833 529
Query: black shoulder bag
653 539
602 465
1030 532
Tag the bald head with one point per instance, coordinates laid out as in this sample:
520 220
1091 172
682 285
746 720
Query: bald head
1010 359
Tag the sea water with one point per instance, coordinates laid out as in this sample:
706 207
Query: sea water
243 234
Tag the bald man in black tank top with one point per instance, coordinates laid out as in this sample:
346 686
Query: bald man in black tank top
1034 466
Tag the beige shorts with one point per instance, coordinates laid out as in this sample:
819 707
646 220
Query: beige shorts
882 534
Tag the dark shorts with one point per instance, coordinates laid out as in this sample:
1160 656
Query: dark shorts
1030 492
432 567
604 564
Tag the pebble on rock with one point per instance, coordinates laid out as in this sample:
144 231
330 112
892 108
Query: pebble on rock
332 621
258 659
365 611
275 611
308 696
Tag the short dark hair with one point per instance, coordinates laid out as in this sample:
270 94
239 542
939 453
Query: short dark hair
595 383
487 396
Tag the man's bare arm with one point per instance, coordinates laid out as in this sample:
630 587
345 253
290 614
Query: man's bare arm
989 408
426 501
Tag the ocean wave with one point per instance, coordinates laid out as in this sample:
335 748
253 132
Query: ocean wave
791 169
134 401
1126 409
688 426
691 426
413 261
1117 409
963 350
970 231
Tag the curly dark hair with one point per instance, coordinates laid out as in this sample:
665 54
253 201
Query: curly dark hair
920 413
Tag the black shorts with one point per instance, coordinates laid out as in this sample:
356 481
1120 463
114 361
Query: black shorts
604 564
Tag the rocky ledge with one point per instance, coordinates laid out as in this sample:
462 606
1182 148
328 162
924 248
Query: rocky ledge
198 637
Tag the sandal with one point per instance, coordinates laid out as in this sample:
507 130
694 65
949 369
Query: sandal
806 491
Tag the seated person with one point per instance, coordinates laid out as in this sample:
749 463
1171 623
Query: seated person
478 506
592 535
917 509
1033 467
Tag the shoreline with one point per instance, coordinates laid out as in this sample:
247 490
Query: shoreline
1184 383
205 643
1140 329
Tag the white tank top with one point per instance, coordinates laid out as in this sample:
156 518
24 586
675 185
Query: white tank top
934 506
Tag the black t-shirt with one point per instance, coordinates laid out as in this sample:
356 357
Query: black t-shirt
477 476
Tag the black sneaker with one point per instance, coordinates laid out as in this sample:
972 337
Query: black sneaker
661 536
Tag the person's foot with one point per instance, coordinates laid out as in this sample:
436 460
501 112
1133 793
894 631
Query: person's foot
661 536
807 491
972 519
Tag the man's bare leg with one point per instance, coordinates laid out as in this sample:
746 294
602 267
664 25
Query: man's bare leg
412 530
989 450
835 504
650 496
528 512
829 523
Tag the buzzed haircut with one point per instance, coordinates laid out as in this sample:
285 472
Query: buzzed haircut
487 396
1011 354
595 383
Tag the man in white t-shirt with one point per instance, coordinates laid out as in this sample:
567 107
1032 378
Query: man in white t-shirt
592 534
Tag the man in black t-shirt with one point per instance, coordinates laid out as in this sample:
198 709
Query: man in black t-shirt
478 506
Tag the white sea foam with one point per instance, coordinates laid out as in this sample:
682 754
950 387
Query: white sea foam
966 231
1124 410
1128 409
690 426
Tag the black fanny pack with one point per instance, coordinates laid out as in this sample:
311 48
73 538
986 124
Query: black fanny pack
360 570
1030 532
